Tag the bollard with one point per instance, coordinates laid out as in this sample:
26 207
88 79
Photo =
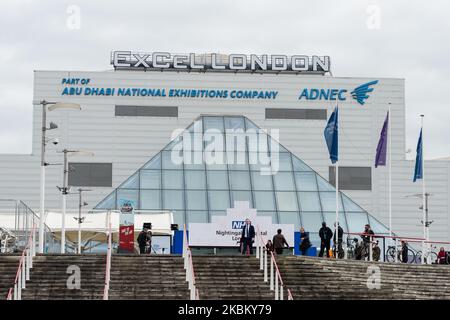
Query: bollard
265 265
281 293
276 286
271 274
257 250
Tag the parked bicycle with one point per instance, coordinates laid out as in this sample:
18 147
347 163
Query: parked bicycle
429 254
390 254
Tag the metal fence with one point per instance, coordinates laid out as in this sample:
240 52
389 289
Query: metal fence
17 224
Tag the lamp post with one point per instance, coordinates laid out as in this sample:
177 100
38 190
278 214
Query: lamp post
52 106
65 191
80 219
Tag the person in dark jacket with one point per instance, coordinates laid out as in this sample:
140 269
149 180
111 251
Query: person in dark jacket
279 242
325 235
305 243
269 246
404 252
248 236
142 240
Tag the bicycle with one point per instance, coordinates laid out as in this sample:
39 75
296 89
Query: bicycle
341 253
429 254
390 254
351 248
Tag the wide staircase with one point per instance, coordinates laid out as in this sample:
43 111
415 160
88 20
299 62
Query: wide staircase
318 278
8 269
55 277
150 277
230 277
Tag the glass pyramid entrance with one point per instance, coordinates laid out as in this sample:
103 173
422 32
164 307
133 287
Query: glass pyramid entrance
196 188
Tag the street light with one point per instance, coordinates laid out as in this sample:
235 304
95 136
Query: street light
65 190
80 220
52 106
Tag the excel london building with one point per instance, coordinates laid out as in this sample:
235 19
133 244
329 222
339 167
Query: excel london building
161 127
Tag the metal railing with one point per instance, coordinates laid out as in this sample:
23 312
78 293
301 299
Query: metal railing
276 281
189 267
23 270
24 218
108 258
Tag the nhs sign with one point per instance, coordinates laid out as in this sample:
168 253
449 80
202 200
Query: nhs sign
237 224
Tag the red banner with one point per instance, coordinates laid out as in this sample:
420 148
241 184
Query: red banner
126 238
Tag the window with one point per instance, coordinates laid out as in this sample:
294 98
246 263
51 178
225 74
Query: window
352 178
146 111
307 114
84 174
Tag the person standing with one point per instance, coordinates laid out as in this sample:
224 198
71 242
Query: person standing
279 241
248 236
325 235
149 242
338 244
305 242
142 240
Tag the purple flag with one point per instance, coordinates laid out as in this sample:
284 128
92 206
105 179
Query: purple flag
380 158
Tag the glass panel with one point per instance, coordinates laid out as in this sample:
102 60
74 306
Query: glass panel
194 160
154 163
240 180
284 181
173 200
217 213
171 144
172 179
150 199
257 140
109 202
150 179
315 239
285 163
237 160
330 218
272 214
234 122
195 179
287 201
192 141
299 165
219 200
197 216
264 200
178 218
356 221
290 218
306 181
328 200
241 196
250 125
132 182
261 182
217 180
215 161
276 146
258 160
236 141
309 201
349 205
377 227
324 185
213 123
214 141
127 194
196 200
168 163
312 221
197 126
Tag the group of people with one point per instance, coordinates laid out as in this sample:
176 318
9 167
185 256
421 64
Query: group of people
144 241
248 237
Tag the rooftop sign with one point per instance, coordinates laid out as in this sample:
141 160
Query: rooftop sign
220 62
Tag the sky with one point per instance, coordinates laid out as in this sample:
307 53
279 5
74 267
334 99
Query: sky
400 39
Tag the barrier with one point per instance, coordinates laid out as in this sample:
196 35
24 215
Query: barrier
23 270
276 281
189 267
108 258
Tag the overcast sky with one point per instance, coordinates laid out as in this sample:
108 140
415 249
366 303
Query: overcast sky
401 39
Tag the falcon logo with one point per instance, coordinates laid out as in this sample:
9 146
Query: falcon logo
360 93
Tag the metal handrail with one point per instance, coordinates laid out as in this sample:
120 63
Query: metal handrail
108 260
189 267
274 270
23 270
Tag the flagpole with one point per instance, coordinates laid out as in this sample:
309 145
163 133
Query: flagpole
423 195
390 170
336 229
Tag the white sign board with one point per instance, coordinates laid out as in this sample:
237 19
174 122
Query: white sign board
225 231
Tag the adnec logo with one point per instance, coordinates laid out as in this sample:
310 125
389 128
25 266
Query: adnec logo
360 93
237 224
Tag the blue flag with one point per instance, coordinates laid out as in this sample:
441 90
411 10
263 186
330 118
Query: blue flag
380 158
418 170
331 135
